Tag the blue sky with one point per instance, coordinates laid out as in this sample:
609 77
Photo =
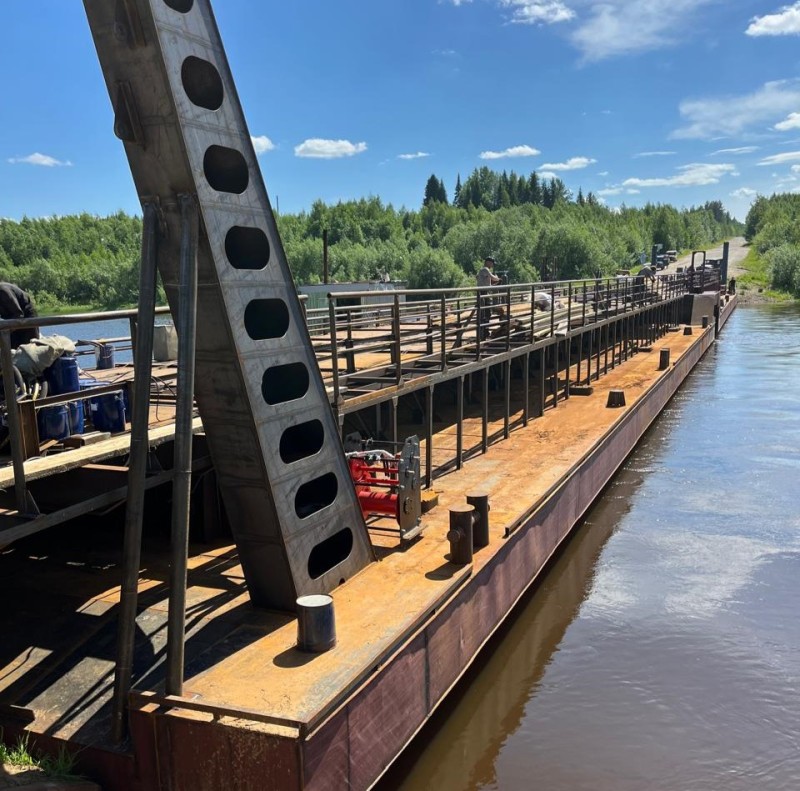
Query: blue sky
674 101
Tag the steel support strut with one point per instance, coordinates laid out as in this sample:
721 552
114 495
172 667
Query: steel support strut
137 467
182 480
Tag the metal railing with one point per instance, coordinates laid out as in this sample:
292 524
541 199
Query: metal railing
362 348
431 330
25 505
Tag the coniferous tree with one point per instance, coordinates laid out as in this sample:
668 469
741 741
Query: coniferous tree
434 192
535 194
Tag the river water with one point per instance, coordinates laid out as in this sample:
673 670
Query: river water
662 650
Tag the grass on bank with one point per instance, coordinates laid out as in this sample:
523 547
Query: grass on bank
60 767
758 276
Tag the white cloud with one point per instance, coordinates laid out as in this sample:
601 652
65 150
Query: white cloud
795 168
418 155
262 144
538 12
547 174
785 23
735 151
792 122
625 27
603 173
610 191
743 192
633 192
654 154
514 151
575 163
696 174
318 148
780 159
729 116
41 160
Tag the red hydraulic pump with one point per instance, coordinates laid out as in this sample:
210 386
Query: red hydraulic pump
389 485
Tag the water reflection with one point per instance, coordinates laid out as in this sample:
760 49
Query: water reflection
463 755
661 651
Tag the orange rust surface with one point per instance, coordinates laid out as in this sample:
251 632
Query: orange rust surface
382 606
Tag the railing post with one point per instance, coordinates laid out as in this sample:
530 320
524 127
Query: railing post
349 355
533 307
508 317
526 388
334 349
443 332
132 324
429 436
460 422
396 350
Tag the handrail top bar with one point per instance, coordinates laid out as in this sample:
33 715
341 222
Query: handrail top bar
483 289
6 325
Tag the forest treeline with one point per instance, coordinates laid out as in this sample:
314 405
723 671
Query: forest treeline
525 223
773 228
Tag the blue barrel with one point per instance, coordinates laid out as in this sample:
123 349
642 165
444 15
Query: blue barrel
104 355
108 412
76 417
62 375
54 422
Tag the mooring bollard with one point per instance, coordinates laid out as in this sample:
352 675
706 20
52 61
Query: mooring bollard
663 360
460 534
316 626
616 399
480 527
687 330
705 322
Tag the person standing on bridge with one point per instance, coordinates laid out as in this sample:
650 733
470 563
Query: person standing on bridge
645 276
485 279
17 304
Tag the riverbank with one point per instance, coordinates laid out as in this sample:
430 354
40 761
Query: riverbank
753 281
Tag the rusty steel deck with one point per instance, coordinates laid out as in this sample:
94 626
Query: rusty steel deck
407 627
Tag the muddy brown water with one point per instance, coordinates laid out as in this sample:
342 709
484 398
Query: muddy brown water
662 649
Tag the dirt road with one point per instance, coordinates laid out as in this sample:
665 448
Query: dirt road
738 253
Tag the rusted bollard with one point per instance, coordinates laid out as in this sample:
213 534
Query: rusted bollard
616 399
460 534
480 527
705 322
663 360
316 626
687 330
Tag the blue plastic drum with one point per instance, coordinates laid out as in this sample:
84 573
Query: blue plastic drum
54 422
108 412
104 355
62 375
76 417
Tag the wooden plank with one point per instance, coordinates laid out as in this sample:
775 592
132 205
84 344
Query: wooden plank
116 446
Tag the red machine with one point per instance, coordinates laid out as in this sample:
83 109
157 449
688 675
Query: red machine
388 485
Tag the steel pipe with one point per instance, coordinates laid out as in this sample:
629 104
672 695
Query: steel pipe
137 466
182 476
